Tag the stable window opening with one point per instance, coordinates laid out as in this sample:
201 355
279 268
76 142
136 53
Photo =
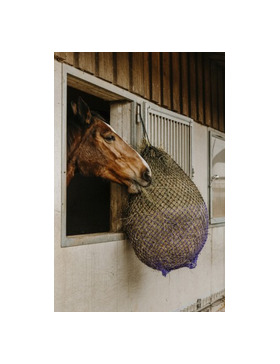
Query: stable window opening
92 206
88 198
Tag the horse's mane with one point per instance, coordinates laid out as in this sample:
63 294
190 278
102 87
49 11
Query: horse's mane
73 128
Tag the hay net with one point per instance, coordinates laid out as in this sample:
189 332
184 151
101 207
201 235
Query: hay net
167 223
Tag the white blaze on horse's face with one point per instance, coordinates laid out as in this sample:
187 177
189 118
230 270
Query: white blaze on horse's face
102 152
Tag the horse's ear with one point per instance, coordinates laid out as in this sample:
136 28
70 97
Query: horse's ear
84 113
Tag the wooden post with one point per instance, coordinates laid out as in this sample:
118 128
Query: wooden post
120 120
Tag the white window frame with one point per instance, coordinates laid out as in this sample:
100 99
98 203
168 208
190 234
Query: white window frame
102 89
219 135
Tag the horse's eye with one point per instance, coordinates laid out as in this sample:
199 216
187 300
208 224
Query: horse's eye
109 138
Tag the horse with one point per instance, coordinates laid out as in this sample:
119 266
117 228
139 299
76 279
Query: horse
95 149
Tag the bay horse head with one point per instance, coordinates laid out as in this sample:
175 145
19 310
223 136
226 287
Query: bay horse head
95 149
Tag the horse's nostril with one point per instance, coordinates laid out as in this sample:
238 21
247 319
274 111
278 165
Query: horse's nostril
147 176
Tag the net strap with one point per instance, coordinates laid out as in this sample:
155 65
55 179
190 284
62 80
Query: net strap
145 136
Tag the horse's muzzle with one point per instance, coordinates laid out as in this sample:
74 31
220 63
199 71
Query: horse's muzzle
144 181
147 176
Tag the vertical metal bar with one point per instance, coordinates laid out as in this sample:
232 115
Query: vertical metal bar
185 149
190 151
180 144
146 120
161 132
166 134
184 145
151 127
173 139
154 121
133 130
177 141
186 153
168 137
156 131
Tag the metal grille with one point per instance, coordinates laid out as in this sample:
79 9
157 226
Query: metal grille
172 134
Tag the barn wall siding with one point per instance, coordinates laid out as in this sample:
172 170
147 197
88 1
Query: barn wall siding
190 83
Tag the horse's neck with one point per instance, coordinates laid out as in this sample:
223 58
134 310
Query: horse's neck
74 137
71 167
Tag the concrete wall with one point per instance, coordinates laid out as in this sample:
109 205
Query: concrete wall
109 277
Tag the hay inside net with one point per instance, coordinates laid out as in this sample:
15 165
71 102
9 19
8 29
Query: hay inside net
167 223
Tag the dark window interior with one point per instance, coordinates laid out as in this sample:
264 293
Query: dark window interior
88 198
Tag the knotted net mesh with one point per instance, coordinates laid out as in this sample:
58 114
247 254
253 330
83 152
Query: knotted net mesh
167 223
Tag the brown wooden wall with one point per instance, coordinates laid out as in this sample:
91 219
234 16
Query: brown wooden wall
192 84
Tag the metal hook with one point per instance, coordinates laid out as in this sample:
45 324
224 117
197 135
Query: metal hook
213 178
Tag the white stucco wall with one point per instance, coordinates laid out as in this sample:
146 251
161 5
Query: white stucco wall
109 277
